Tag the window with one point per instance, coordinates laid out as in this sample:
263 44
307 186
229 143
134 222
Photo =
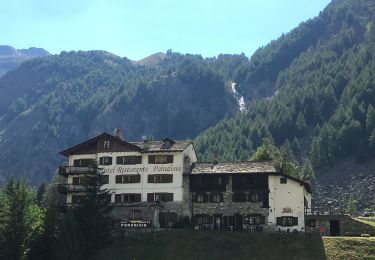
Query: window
128 178
159 197
254 220
75 181
202 219
136 214
107 144
105 160
132 197
200 198
216 198
287 221
128 197
160 159
128 160
160 178
77 199
239 197
283 180
254 197
105 179
311 223
82 162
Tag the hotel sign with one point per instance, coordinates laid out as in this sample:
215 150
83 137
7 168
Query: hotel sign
135 223
156 168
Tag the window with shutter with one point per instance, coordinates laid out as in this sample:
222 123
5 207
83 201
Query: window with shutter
105 179
118 197
151 159
118 178
279 221
106 160
151 178
150 197
295 221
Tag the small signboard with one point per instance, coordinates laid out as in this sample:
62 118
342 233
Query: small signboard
135 223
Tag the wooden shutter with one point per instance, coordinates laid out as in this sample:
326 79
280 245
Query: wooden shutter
211 198
137 178
295 221
101 161
221 197
262 220
231 220
205 197
169 178
151 178
105 179
265 200
118 197
169 197
210 220
150 197
137 197
169 158
279 221
195 198
75 180
118 178
151 159
119 160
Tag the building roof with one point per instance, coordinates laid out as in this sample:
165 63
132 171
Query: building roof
246 167
166 145
162 146
233 167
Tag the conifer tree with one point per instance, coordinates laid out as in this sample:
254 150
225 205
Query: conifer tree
307 170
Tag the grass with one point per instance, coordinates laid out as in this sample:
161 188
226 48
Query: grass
367 220
349 248
196 245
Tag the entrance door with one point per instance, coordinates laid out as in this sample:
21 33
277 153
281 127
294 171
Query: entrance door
334 227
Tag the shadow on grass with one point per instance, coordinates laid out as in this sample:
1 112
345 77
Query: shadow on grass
196 245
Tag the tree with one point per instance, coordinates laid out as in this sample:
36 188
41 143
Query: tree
40 192
266 152
92 216
21 219
307 171
301 124
351 205
370 119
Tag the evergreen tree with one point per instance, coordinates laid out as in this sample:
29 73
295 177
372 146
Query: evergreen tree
92 216
307 171
296 147
21 219
351 205
301 124
40 192
370 120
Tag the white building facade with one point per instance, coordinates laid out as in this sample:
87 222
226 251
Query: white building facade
158 183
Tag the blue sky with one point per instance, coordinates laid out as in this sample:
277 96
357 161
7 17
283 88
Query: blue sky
138 28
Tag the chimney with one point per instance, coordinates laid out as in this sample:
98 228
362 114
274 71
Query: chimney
117 133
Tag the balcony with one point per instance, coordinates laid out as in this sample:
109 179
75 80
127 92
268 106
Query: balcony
75 170
65 188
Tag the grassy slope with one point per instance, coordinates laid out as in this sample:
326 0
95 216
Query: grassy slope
196 245
367 220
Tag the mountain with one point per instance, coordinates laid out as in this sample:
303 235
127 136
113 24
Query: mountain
318 89
10 57
51 103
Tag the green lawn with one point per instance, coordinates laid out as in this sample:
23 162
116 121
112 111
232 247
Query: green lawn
367 220
196 245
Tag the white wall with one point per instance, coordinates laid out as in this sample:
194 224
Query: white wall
289 195
144 169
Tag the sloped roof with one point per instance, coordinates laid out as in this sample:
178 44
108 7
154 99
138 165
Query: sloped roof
234 167
143 147
158 146
243 168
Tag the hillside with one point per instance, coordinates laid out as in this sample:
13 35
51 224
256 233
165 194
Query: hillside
52 103
321 77
197 245
10 58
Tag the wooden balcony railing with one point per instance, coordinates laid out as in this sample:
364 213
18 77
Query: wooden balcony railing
75 170
65 188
